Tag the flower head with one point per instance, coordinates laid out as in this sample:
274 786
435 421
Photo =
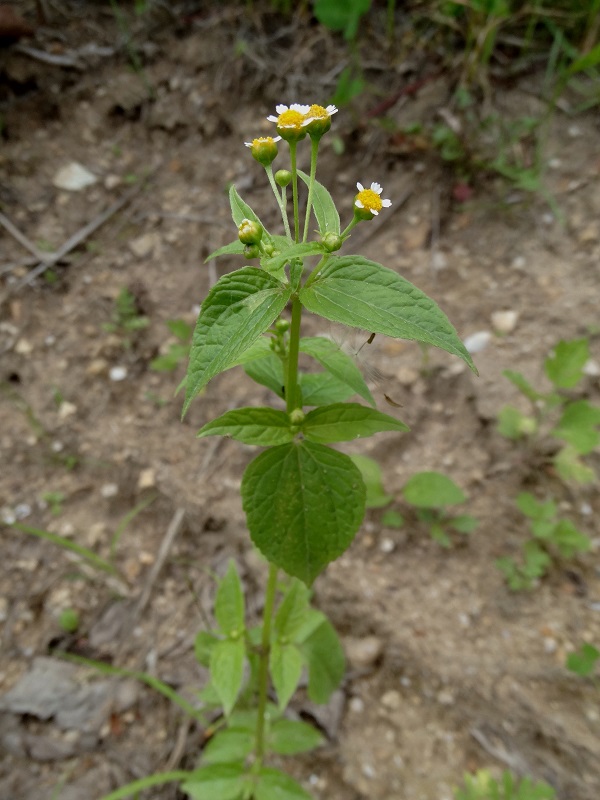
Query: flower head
264 149
290 121
250 232
368 203
317 120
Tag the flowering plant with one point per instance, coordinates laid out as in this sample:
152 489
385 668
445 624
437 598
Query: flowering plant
304 500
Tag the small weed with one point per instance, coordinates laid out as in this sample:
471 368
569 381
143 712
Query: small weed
432 494
482 786
69 620
552 538
177 351
583 661
573 422
126 318
55 502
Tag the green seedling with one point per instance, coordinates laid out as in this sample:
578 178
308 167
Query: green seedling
126 320
432 494
55 502
482 786
177 351
69 620
575 423
583 661
552 539
304 499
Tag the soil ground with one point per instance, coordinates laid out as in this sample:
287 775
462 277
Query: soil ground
465 674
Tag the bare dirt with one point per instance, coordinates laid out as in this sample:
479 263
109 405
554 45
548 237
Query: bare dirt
463 674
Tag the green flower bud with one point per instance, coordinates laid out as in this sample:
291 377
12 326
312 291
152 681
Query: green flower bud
251 251
250 232
332 241
318 120
283 177
297 416
282 325
264 149
268 250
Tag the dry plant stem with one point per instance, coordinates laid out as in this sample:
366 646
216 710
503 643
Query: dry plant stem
263 669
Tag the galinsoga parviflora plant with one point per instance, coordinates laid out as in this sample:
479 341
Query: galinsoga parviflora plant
304 500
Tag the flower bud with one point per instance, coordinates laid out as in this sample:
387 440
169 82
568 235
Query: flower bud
318 120
331 241
251 251
264 149
283 177
250 232
297 417
282 325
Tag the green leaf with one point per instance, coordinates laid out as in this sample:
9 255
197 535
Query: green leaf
260 349
536 560
568 540
288 738
583 661
338 363
514 425
343 422
241 211
323 207
523 385
233 248
180 328
275 785
227 670
392 519
565 366
532 508
578 426
464 523
285 665
302 250
237 310
432 490
304 503
267 372
259 426
341 16
321 388
363 294
371 474
326 662
570 467
229 603
292 611
228 746
203 645
217 782
439 535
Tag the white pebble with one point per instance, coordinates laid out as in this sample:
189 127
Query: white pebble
391 699
591 368
519 262
477 342
22 510
73 178
550 645
117 373
357 705
504 321
387 545
585 509
109 490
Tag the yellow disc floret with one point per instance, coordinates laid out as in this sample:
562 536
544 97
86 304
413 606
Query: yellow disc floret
368 202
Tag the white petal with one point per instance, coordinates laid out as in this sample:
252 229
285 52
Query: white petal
280 109
331 110
272 118
360 187
375 187
375 213
277 138
359 203
307 120
299 107
386 203
248 144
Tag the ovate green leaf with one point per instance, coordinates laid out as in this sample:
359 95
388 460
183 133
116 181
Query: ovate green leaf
267 371
432 490
228 746
233 248
241 211
570 466
289 737
579 426
583 661
237 310
292 611
301 250
227 670
304 503
565 365
323 207
343 422
229 603
275 785
203 646
326 662
216 782
285 665
320 388
259 426
363 294
338 363
371 473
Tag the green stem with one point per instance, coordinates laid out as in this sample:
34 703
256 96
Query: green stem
316 270
291 388
346 231
263 667
293 147
314 150
279 198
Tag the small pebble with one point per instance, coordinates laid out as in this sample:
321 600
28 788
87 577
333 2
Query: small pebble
445 697
23 347
363 652
73 178
550 645
591 368
439 261
519 262
66 409
22 510
147 479
585 509
109 490
477 341
504 321
357 705
117 373
387 545
391 699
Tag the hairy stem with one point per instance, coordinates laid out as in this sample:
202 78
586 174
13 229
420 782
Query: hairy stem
279 197
294 170
314 150
263 667
291 388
